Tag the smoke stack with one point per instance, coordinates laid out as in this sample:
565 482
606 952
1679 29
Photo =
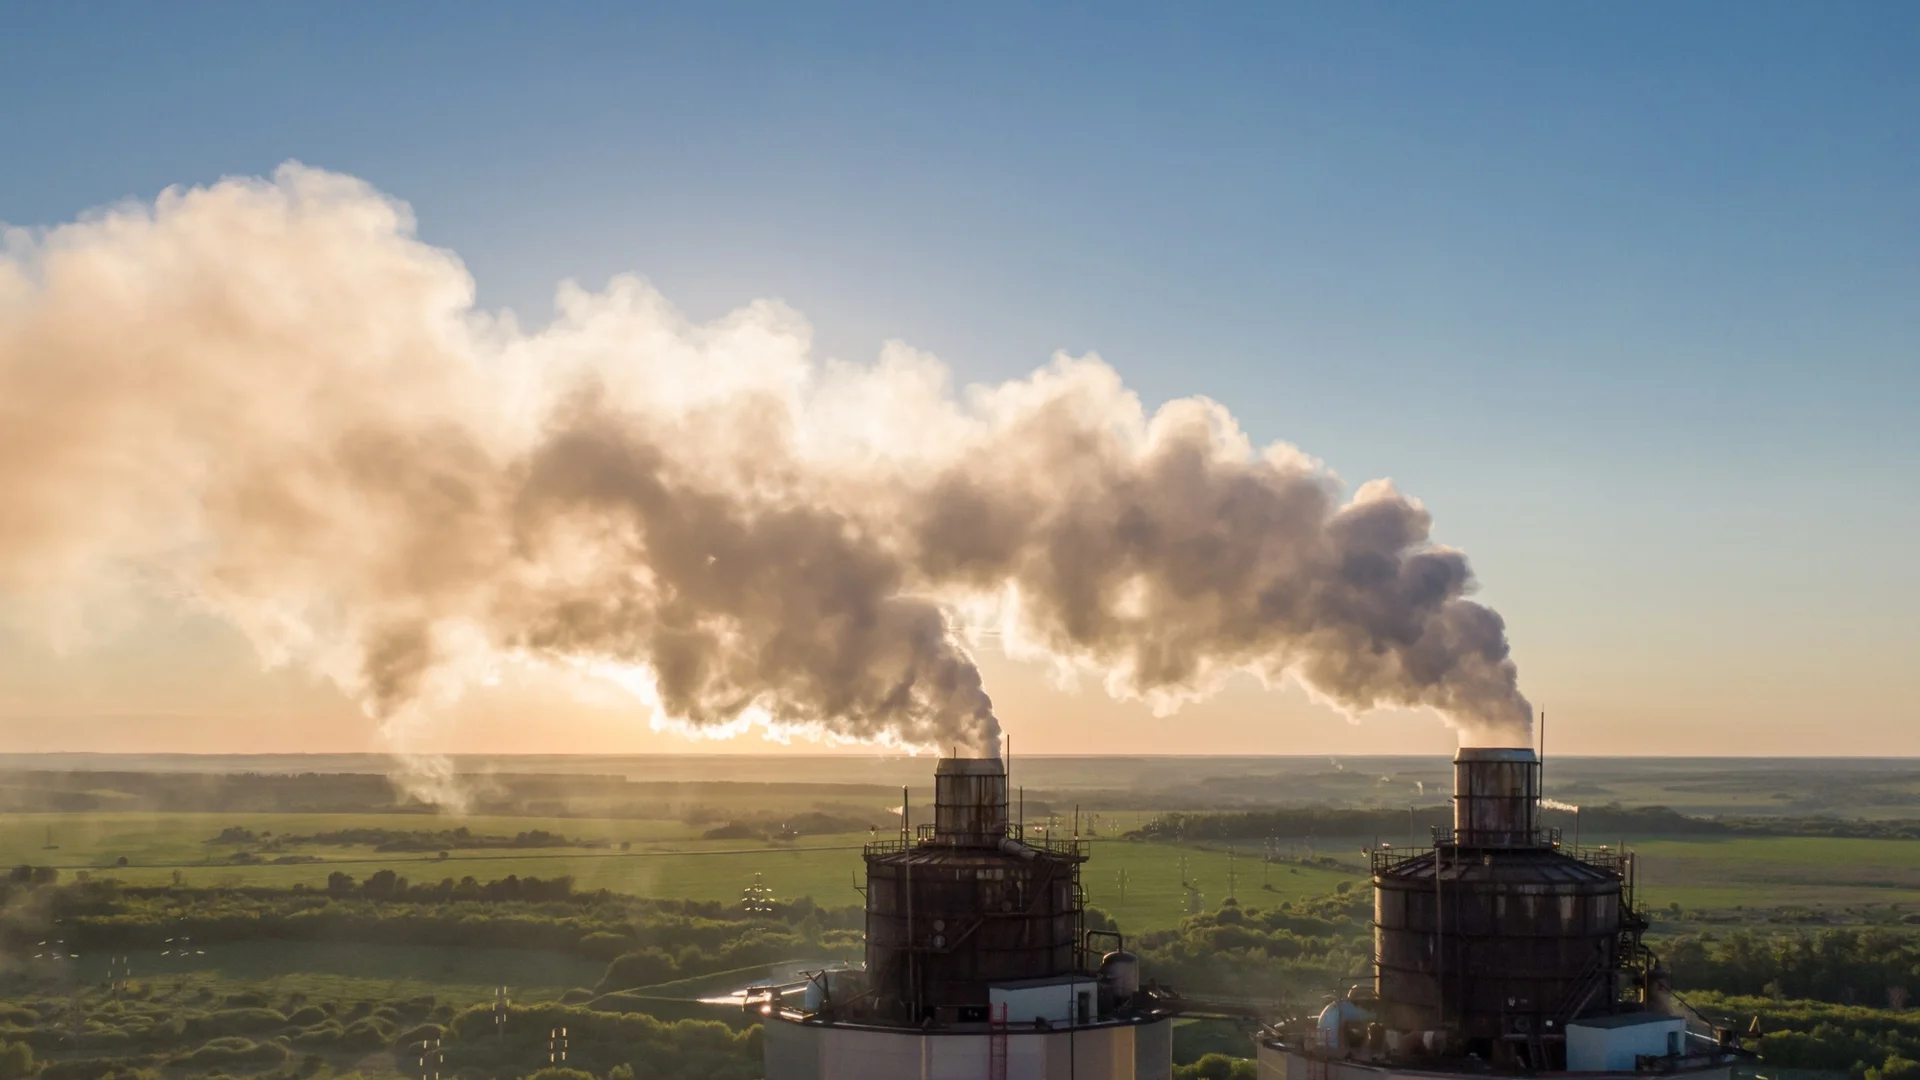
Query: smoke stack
970 800
1496 797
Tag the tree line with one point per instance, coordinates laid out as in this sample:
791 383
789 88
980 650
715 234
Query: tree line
1594 824
670 938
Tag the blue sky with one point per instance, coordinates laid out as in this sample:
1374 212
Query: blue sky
1629 295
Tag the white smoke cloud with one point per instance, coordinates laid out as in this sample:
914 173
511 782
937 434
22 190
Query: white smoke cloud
1556 804
270 398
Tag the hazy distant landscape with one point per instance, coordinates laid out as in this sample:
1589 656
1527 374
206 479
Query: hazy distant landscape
1742 833
604 886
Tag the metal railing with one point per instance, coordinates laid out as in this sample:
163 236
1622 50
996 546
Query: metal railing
1448 837
1075 847
1611 859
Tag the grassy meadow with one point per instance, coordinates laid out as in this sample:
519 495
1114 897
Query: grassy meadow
1720 874
1139 884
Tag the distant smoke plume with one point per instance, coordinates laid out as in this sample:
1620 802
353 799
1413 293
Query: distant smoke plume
270 398
1556 804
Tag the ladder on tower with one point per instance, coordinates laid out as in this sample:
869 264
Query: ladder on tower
997 1043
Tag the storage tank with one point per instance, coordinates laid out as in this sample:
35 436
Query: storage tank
1498 936
1501 953
1120 975
977 963
965 905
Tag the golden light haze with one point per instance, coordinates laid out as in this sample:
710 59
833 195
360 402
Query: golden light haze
187 684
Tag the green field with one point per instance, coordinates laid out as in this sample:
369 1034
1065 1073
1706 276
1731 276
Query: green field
1767 872
341 970
181 839
667 860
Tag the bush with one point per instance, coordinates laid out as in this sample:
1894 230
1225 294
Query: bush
320 1035
103 1068
416 1036
1218 1067
232 1050
241 1021
16 1061
367 1033
644 968
602 945
1896 1068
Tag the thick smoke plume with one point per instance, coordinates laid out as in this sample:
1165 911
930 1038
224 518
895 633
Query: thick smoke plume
270 398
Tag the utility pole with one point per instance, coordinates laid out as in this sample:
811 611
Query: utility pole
431 1058
1230 878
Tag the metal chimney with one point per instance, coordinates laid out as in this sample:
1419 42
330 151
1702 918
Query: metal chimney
1496 797
970 800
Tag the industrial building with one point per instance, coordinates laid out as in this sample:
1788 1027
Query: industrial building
978 962
1501 950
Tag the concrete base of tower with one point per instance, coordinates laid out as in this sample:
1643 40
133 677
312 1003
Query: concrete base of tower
801 1047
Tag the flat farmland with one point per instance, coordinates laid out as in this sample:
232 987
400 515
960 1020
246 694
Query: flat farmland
665 859
1153 898
1769 872
185 839
1140 884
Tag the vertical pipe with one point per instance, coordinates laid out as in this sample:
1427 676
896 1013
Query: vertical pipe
906 869
1073 1035
1439 945
913 966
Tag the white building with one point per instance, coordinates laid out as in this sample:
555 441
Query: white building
802 1047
